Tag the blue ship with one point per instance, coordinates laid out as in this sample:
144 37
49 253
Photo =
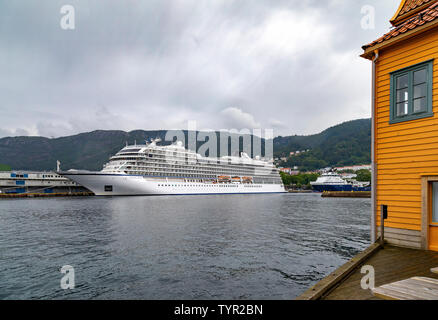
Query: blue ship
332 181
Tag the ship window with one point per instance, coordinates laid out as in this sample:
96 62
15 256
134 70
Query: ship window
108 188
411 93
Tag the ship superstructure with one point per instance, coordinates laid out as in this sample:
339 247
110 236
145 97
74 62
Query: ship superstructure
159 170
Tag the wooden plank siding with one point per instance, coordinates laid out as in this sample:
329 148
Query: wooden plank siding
402 237
404 151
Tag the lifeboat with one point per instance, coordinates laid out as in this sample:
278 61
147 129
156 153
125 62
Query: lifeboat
224 178
247 179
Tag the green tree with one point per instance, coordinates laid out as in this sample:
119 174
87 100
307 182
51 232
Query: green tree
302 179
4 167
363 175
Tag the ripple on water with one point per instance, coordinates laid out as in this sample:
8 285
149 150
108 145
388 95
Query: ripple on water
210 247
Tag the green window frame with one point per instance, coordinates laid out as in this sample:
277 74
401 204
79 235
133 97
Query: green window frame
411 93
435 202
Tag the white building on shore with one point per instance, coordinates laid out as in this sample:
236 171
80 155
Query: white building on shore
15 182
354 168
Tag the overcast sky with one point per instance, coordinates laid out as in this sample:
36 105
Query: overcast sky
290 65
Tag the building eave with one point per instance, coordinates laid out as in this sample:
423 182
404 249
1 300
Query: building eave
369 51
410 14
394 18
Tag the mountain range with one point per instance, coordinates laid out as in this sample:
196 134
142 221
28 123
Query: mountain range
345 144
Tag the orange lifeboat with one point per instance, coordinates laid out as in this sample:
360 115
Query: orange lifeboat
247 179
224 178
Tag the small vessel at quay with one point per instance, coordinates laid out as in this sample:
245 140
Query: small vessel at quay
332 181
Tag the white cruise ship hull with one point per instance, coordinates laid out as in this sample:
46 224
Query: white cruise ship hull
103 184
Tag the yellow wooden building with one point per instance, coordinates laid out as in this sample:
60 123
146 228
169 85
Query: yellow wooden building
405 126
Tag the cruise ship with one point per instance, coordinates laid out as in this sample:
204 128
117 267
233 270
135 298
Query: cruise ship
151 169
332 181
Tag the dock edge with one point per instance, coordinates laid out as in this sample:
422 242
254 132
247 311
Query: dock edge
337 276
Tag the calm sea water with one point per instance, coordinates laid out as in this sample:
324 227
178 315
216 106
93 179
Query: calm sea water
206 247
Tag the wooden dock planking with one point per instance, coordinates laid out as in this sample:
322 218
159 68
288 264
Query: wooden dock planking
391 264
336 277
417 288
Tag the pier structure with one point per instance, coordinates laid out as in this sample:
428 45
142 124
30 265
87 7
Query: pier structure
389 264
346 194
23 183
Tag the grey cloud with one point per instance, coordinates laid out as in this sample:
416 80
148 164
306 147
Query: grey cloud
14 133
291 65
236 118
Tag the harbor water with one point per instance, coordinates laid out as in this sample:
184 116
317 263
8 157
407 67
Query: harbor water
177 247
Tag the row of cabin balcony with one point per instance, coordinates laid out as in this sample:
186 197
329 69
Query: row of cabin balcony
164 154
190 173
220 164
260 180
172 168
